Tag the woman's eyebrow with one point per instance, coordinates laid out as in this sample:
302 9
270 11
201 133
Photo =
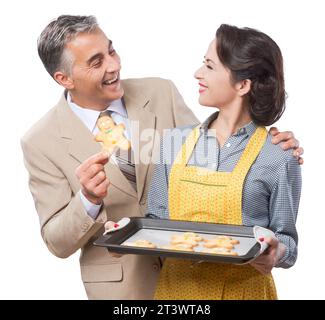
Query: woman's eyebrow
209 60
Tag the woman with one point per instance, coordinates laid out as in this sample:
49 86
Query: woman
227 170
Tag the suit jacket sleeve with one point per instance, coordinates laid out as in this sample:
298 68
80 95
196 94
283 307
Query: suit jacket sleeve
183 115
65 225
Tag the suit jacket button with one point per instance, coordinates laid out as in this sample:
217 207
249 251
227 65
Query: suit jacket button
156 267
84 227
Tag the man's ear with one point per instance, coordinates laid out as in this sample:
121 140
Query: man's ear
243 87
64 80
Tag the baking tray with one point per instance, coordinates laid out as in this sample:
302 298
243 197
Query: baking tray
159 231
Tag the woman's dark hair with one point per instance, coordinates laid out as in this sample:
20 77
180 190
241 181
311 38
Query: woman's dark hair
251 54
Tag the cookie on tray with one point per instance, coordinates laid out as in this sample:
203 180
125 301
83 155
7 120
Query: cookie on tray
220 242
189 238
141 243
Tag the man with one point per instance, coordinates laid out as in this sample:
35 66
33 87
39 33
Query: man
77 188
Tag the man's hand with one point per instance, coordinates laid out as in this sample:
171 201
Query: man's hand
270 257
289 142
92 177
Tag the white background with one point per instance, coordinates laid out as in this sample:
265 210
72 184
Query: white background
165 38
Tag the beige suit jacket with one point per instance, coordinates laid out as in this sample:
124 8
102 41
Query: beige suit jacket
57 144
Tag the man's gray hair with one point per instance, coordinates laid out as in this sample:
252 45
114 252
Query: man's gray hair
56 35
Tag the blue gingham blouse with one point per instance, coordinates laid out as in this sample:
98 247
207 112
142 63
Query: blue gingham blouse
271 189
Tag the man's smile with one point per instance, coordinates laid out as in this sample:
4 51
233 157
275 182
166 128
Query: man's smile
108 82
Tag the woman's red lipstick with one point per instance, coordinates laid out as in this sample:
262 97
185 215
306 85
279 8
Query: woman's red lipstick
202 87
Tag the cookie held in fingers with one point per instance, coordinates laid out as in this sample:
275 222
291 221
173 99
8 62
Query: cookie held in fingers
111 135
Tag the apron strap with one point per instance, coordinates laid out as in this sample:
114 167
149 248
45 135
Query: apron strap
184 154
250 153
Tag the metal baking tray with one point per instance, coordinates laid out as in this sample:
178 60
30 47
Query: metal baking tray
159 232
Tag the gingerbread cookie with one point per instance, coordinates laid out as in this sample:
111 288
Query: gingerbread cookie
111 135
192 235
188 238
220 242
141 243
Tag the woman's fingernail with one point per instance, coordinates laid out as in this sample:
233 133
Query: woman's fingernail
261 239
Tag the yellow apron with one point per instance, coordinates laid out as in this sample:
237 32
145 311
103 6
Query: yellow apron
199 194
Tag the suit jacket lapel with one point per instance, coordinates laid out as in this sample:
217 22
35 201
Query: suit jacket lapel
143 124
82 145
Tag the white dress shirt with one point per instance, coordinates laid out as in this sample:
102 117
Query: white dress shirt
89 118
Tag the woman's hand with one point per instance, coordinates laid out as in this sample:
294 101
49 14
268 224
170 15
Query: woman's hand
270 257
110 225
